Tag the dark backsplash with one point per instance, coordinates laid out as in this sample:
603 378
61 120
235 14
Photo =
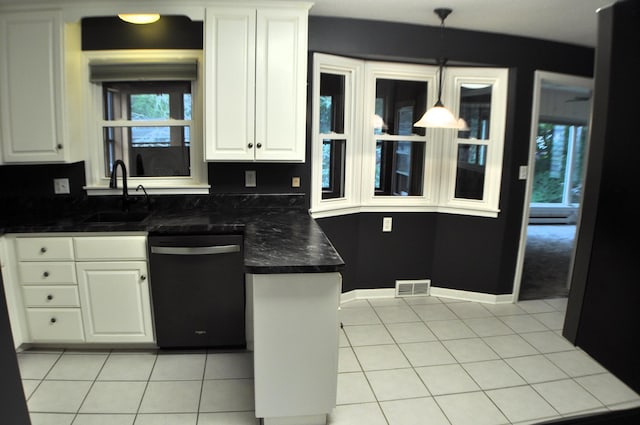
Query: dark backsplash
26 191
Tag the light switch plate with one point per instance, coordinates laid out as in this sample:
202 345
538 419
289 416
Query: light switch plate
386 224
61 186
522 172
250 178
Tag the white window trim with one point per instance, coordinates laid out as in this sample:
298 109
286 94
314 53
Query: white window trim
441 144
97 183
498 79
353 70
394 71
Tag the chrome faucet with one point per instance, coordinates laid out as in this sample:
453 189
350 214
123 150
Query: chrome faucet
113 183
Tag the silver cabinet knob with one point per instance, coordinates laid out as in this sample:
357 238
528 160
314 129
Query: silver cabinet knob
43 249
49 297
53 320
250 145
45 274
143 277
259 145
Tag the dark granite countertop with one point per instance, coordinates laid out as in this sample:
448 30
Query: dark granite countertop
277 240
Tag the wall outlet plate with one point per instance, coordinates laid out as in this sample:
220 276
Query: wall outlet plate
250 178
61 186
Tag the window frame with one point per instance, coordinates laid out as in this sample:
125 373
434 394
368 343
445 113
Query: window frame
97 183
352 70
395 71
489 204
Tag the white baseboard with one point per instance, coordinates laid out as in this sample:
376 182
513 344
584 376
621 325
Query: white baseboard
435 291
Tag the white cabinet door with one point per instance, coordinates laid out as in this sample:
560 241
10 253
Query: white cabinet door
115 301
255 78
281 75
31 107
229 83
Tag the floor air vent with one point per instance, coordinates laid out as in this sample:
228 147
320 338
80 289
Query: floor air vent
412 288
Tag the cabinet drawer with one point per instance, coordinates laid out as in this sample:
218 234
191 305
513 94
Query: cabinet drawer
43 273
55 324
51 296
96 248
44 249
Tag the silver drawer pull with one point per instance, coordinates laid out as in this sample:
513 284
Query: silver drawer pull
195 250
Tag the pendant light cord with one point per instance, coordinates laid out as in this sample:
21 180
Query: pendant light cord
442 61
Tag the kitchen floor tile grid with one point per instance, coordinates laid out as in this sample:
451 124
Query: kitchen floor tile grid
403 361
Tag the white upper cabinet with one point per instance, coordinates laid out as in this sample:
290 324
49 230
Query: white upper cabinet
32 109
255 83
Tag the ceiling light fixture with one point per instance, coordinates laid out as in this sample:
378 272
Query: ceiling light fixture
139 18
439 116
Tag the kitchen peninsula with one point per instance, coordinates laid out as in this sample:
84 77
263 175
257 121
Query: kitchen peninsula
292 278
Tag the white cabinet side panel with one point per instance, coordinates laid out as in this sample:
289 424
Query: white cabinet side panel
295 320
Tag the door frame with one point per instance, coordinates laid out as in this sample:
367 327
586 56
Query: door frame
539 77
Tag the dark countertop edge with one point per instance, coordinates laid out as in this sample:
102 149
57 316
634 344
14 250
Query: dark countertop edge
154 225
293 269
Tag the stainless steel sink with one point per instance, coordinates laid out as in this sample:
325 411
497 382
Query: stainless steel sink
117 217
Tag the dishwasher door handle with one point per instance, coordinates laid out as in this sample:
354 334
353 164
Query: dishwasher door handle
195 250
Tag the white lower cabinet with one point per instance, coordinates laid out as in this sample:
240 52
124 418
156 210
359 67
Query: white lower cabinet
115 301
83 288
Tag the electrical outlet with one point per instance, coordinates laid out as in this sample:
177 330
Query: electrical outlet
295 181
250 178
386 224
61 186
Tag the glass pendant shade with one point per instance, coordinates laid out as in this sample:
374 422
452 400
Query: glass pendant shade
438 117
139 18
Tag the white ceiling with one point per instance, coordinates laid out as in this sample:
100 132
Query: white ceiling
569 21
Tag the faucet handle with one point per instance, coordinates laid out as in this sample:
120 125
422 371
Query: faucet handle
146 195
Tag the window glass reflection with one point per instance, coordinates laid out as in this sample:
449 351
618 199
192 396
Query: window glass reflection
471 171
399 104
333 160
332 103
475 109
399 168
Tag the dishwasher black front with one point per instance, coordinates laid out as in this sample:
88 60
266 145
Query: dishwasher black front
197 288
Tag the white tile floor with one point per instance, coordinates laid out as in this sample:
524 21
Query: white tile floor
402 362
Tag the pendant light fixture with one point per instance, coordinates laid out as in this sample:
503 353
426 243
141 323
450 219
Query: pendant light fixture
439 116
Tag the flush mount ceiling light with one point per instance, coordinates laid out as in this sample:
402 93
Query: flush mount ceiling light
439 116
139 18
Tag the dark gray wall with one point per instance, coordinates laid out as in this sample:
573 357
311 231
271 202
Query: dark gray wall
603 316
459 252
13 407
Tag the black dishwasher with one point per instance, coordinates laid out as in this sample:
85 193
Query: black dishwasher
197 288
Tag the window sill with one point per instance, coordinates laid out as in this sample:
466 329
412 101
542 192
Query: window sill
334 212
165 190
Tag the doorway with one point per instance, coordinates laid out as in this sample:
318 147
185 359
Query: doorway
557 157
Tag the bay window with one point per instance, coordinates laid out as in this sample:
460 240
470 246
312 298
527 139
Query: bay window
368 155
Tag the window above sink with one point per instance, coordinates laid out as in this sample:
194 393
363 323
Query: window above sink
147 111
